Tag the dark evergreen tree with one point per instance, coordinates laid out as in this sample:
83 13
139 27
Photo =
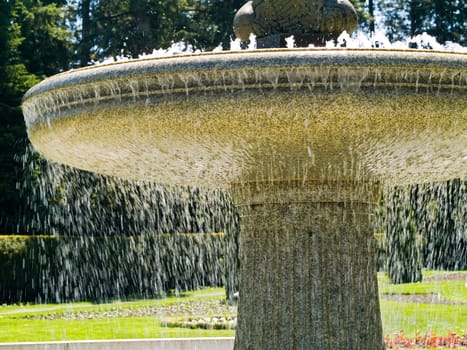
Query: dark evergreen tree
85 36
133 27
45 48
443 19
211 23
34 42
14 80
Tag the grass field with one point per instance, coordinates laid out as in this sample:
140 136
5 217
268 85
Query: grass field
437 305
115 320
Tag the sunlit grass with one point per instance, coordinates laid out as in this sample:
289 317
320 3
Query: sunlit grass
455 291
20 323
21 330
447 314
423 318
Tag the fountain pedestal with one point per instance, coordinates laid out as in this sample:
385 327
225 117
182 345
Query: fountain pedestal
308 278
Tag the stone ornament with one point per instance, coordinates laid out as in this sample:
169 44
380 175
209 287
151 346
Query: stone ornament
309 21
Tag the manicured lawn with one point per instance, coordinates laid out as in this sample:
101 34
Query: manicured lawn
438 305
112 328
116 320
422 318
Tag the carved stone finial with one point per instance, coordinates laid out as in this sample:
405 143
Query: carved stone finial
309 21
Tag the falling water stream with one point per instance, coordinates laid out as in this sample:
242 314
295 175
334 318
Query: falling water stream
112 238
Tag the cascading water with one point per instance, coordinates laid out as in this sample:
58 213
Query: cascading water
111 238
424 227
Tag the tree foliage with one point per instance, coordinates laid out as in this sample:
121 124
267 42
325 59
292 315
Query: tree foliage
40 38
446 20
212 23
134 27
34 43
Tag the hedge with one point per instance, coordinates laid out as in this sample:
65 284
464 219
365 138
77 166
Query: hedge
73 268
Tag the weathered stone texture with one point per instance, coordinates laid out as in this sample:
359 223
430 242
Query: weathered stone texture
320 18
308 278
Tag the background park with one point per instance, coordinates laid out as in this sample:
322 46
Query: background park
86 256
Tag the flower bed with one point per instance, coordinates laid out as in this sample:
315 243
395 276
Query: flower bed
219 322
427 341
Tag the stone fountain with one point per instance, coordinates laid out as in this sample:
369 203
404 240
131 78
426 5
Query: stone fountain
302 138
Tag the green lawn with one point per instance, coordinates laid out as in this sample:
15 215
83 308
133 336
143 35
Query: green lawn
422 318
112 328
148 318
116 320
440 313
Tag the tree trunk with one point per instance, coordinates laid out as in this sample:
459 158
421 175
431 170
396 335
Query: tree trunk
85 44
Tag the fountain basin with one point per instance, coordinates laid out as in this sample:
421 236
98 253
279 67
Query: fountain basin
215 119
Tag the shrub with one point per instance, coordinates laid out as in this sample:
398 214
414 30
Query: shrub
72 268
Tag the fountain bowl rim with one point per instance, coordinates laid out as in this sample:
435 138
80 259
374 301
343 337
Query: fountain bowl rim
241 59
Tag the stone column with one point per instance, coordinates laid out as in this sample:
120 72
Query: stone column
308 276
